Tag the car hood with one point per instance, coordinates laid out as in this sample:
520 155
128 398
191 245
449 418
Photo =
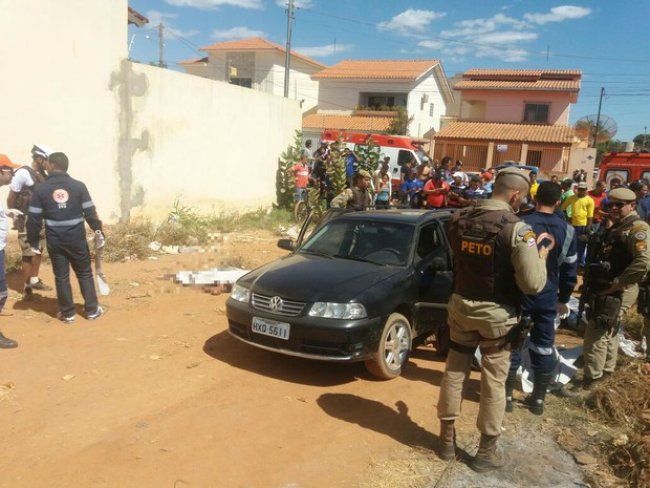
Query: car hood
309 278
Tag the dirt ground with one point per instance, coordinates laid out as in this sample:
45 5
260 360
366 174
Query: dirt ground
157 394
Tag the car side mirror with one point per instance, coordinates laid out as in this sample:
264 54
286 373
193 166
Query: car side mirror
286 244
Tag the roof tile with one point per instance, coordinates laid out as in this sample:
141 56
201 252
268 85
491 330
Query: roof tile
558 134
376 69
347 122
539 85
255 44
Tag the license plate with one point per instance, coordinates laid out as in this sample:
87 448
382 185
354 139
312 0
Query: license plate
271 328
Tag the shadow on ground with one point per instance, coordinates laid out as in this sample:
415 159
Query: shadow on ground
394 422
226 348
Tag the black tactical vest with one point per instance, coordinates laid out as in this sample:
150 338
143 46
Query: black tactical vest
482 244
615 251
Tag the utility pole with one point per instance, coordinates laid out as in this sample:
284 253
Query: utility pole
597 128
287 58
645 128
161 27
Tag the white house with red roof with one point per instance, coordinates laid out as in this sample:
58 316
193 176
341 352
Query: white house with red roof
361 95
515 115
258 64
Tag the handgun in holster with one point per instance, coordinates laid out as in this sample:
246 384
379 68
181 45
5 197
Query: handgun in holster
520 331
605 310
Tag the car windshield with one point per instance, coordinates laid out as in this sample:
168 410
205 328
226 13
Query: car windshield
382 243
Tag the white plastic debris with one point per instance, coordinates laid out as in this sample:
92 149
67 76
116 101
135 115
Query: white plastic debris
213 276
628 346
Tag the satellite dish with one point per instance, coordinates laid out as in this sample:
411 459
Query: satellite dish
590 126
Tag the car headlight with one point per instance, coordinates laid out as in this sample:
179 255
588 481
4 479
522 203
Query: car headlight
240 293
338 310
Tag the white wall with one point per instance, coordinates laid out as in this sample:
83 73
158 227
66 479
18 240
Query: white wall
342 96
212 145
134 133
268 75
422 121
56 62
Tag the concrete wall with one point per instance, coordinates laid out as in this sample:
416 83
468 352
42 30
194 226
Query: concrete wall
211 145
55 86
139 136
508 107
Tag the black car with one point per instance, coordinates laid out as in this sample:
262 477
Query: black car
364 286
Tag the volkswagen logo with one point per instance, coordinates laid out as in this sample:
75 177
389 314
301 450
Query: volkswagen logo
276 304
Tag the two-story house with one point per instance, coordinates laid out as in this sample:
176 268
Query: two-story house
515 115
259 64
362 95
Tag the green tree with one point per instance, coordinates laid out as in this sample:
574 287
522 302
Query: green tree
614 145
400 124
642 141
368 156
284 179
336 167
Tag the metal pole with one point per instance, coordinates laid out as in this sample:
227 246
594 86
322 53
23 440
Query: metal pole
645 128
287 57
597 128
160 45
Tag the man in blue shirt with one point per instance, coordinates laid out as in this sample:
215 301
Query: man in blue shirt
350 166
561 267
640 187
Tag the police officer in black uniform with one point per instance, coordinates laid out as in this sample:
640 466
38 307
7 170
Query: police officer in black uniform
64 204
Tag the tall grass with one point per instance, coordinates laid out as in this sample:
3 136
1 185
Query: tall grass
185 226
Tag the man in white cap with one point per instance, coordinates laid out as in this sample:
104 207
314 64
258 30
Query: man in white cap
7 168
20 193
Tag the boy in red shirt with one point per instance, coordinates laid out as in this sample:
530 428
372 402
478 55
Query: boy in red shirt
301 178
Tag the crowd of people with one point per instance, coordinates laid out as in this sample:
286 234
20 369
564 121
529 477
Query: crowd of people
49 211
518 245
515 269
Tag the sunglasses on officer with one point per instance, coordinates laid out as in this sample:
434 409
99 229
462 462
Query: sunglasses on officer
617 204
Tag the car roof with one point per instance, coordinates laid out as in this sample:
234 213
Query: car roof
405 215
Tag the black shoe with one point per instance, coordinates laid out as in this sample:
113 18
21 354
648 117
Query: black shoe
28 293
6 343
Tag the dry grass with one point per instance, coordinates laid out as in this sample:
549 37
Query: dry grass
625 400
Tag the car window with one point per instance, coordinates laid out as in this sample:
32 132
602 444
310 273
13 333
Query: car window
428 241
616 173
386 243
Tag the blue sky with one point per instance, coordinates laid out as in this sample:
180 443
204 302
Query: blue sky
609 41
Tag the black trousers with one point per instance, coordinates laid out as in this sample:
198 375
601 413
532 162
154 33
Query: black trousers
76 255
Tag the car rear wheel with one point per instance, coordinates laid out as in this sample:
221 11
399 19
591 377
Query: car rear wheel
393 350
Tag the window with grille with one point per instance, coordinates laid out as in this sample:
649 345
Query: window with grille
536 112
534 158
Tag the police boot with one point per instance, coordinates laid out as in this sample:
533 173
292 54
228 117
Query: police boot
486 458
535 401
448 438
510 386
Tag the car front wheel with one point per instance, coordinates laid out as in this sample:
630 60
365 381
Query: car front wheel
393 350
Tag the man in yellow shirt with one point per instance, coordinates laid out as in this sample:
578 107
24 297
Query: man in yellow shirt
534 185
582 215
